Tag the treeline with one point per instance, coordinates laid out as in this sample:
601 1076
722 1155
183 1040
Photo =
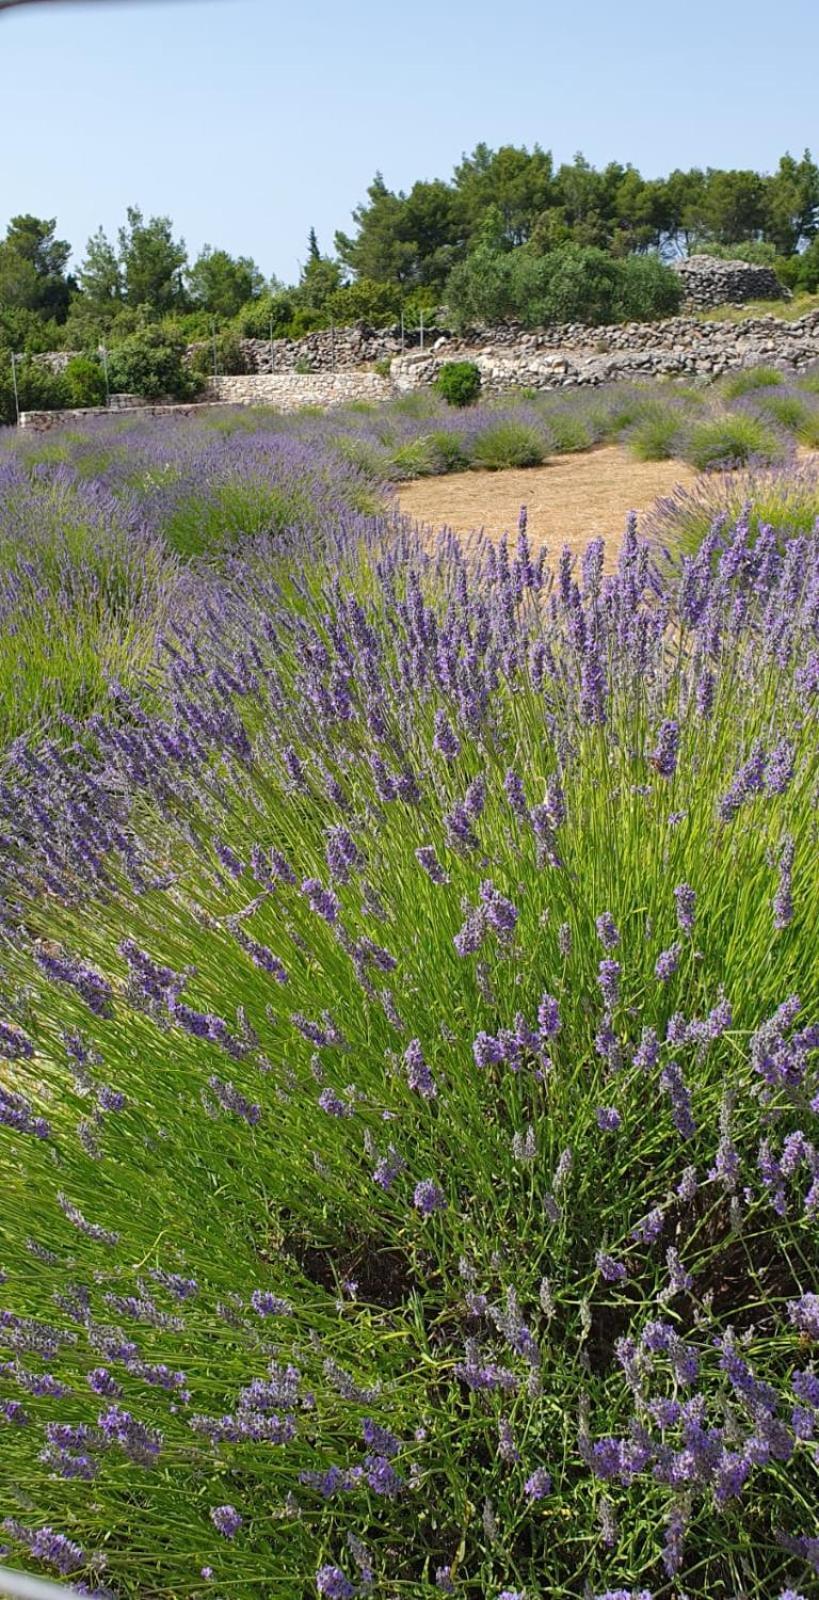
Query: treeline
508 236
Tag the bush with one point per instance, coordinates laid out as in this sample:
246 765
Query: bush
647 289
750 379
409 1128
657 435
228 353
730 441
509 444
152 363
84 380
459 382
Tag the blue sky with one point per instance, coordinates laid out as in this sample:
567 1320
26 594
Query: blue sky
249 120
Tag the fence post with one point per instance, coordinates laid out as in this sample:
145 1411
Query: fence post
421 326
14 385
271 344
402 333
333 344
104 354
213 344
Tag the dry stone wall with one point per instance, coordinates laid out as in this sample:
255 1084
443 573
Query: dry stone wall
565 357
288 391
708 281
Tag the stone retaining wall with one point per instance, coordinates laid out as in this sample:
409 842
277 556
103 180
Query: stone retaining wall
709 281
565 357
44 421
288 391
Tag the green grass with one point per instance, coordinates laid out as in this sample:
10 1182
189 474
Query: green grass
786 310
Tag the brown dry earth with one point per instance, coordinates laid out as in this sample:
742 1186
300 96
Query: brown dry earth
571 500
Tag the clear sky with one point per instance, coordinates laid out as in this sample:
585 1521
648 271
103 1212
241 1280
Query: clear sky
249 120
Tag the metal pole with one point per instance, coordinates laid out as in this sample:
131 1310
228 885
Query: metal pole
333 343
402 333
104 354
271 344
213 342
14 382
421 325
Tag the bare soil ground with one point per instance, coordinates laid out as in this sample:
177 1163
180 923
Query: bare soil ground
572 499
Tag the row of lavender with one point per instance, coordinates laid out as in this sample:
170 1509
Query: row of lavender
410 1086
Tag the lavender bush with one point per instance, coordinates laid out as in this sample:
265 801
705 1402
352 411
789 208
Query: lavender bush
409 1105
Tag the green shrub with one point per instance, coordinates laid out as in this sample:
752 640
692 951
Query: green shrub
509 444
418 458
383 366
790 411
656 437
451 450
459 382
568 431
227 351
647 289
731 440
749 379
84 380
152 363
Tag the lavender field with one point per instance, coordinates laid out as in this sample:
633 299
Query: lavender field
409 1022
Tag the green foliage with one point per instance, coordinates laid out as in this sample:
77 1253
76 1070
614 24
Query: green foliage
509 444
459 382
84 381
730 441
222 284
570 284
151 363
750 379
656 437
222 349
33 268
152 262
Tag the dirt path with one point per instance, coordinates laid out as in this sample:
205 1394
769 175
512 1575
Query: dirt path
571 500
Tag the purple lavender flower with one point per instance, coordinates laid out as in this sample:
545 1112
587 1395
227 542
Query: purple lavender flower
470 937
333 1105
226 1520
607 931
649 1228
783 898
668 962
515 793
426 857
231 1099
488 1051
500 913
612 1271
332 1583
779 767
322 901
663 757
686 900
445 740
266 1304
342 854
672 1081
548 1016
608 977
427 1197
804 1314
538 1484
608 1119
419 1076
388 1168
